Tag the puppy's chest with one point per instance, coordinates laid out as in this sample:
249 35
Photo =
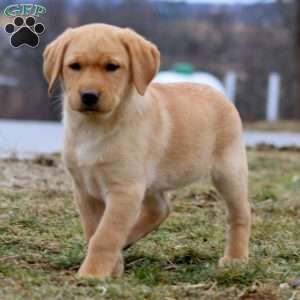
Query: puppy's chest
87 177
87 143
88 152
92 182
87 160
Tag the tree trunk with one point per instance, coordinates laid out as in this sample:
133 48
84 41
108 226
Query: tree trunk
296 85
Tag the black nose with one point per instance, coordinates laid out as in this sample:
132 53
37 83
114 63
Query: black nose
89 98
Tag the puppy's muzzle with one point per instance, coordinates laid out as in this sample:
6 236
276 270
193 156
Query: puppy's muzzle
89 99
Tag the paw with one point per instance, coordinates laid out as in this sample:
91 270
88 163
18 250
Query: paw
91 272
229 261
91 268
24 33
101 267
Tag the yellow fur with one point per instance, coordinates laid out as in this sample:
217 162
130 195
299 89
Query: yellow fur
142 140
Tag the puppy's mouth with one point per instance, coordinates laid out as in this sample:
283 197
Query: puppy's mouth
93 111
89 110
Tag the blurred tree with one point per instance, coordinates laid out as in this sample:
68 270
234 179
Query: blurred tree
248 39
290 14
296 90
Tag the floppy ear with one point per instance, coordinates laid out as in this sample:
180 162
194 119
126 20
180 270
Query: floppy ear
53 58
144 59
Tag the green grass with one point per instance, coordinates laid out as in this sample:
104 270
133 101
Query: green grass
42 245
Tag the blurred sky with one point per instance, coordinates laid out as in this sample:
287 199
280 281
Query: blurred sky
224 1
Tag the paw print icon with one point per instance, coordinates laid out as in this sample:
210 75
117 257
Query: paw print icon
25 33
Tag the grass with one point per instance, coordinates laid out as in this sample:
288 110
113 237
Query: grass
42 245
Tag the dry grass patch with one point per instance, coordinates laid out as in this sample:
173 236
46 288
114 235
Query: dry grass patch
42 245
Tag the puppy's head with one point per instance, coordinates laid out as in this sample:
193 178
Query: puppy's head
98 65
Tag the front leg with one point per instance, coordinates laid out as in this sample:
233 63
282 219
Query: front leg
90 210
122 209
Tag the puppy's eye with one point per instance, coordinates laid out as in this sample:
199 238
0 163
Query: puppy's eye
75 66
111 67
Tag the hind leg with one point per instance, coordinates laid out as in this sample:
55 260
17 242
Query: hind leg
154 211
230 177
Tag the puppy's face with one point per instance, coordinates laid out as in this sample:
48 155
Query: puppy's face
98 65
95 71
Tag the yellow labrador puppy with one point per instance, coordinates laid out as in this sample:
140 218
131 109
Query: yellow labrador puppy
127 141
